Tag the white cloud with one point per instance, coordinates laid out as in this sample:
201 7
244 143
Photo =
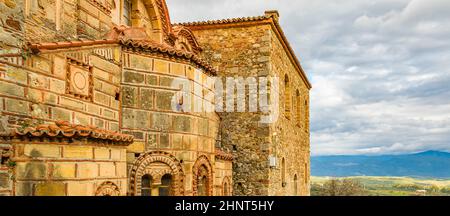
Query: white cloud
380 68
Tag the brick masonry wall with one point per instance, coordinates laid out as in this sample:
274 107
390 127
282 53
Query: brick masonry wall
148 115
79 168
78 86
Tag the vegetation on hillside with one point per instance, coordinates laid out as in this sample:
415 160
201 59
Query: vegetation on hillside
379 186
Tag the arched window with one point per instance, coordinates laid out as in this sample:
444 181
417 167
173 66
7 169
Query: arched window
166 183
295 185
283 172
225 189
298 110
146 189
127 7
287 97
202 186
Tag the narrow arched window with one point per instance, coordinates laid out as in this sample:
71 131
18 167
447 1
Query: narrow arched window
283 172
202 186
225 189
146 184
127 7
298 108
166 184
295 185
287 97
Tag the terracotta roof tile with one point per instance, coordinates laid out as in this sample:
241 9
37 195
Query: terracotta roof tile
222 155
225 21
64 129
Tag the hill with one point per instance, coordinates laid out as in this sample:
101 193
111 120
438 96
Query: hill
430 164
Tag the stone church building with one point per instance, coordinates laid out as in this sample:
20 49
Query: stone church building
87 103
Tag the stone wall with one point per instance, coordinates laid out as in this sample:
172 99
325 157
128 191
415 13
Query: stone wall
147 112
68 169
243 52
11 26
292 128
79 86
5 169
255 50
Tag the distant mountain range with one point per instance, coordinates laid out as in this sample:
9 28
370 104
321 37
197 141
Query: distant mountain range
426 164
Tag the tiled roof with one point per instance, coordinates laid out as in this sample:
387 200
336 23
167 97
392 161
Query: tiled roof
222 155
145 45
63 129
271 16
165 49
225 21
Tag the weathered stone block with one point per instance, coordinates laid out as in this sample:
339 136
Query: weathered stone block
24 189
151 80
102 153
16 74
161 121
17 106
61 114
135 119
4 180
164 100
140 62
80 152
80 189
129 96
42 151
164 140
136 147
50 97
63 170
133 77
87 170
31 170
57 86
182 123
121 169
94 109
152 141
116 154
146 98
161 66
177 69
11 89
82 119
101 98
104 64
39 81
107 170
60 67
42 64
166 81
71 103
50 189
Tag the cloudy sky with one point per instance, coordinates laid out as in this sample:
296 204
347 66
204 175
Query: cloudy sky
380 69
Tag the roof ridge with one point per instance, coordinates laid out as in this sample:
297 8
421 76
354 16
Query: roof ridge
225 21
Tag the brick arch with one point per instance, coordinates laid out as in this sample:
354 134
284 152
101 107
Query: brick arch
159 13
202 163
108 189
142 166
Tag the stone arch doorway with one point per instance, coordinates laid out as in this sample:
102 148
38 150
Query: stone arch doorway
202 177
156 173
